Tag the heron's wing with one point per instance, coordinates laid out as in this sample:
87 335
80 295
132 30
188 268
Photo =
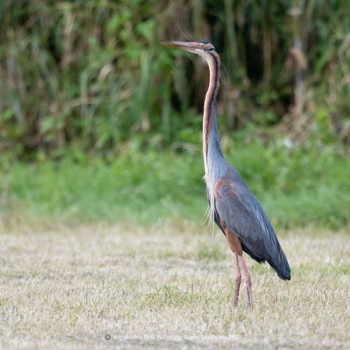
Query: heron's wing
241 212
241 217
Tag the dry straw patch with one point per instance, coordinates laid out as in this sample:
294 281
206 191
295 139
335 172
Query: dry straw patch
166 286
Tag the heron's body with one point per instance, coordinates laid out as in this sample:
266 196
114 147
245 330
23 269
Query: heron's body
232 205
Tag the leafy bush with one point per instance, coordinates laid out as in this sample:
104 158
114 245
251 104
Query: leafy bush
93 75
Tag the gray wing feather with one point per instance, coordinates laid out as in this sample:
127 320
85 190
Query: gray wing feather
241 220
243 214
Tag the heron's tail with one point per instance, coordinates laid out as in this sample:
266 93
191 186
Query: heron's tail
280 264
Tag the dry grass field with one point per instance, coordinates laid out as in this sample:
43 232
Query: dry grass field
166 286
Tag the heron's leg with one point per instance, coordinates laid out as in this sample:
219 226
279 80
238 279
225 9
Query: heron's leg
237 279
236 248
247 280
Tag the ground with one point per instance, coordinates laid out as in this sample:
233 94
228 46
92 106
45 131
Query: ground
169 285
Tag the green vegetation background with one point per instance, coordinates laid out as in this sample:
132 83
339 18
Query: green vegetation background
98 121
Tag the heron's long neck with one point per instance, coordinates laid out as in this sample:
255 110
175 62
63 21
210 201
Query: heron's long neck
211 140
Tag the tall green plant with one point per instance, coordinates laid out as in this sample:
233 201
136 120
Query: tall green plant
92 75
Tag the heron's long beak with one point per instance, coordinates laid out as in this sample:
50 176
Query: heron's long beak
188 46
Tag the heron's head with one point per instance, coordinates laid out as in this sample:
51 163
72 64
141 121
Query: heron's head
200 47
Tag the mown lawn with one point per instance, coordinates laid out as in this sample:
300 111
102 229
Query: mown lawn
167 285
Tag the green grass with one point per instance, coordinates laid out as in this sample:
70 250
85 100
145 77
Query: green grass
168 285
296 187
140 187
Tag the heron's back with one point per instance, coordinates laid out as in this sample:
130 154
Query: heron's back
243 214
